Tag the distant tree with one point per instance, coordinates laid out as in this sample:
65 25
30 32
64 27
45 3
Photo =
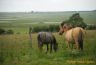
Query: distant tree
76 20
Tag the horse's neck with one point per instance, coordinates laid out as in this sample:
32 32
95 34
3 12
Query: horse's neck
68 30
69 34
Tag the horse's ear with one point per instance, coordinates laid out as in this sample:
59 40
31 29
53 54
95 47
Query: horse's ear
65 26
60 26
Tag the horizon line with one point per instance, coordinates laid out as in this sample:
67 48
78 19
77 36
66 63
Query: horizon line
47 11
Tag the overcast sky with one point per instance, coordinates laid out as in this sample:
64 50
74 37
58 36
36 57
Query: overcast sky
46 5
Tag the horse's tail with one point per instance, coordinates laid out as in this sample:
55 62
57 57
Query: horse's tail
80 40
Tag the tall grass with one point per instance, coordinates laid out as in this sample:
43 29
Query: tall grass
15 50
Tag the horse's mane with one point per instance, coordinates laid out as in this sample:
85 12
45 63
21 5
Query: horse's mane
69 26
64 22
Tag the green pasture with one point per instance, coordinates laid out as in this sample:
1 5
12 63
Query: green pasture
41 17
15 50
20 22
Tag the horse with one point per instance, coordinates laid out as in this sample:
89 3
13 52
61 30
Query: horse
73 36
47 38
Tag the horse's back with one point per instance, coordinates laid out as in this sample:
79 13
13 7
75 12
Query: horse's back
78 33
46 36
74 34
41 36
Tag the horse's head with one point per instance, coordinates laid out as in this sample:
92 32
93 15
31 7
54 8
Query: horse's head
63 28
61 31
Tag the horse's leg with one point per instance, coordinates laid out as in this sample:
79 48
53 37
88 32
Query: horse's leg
72 46
77 45
68 44
53 47
50 48
47 48
40 45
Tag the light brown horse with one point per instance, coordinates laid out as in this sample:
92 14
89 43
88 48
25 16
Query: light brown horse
73 36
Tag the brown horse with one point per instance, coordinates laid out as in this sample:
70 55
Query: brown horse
73 36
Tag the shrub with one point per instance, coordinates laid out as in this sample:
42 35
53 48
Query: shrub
40 28
53 28
50 28
10 32
2 31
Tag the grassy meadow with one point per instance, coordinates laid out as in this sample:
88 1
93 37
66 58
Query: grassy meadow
15 49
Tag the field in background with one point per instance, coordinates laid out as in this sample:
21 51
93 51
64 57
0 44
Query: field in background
20 22
44 17
15 50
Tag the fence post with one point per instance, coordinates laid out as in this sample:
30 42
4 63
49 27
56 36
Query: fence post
30 36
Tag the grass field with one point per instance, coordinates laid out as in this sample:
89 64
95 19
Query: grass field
33 18
15 50
20 22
